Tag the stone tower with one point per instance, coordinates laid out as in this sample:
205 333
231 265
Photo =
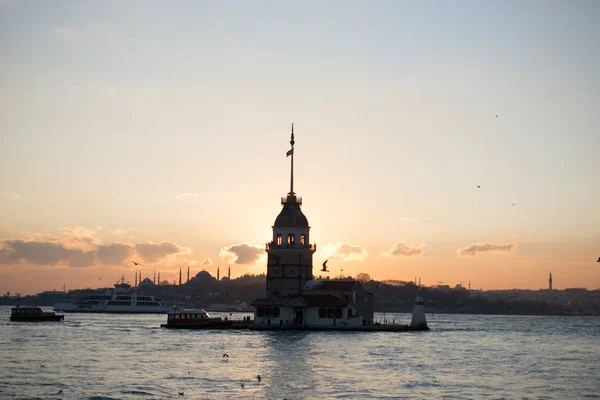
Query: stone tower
550 282
289 264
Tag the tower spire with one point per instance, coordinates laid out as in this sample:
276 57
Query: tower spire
291 152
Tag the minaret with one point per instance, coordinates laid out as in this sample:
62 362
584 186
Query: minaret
289 265
550 282
135 280
229 272
154 280
140 278
218 277
188 278
158 278
179 276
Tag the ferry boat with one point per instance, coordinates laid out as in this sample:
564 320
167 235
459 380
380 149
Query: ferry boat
122 299
32 313
195 319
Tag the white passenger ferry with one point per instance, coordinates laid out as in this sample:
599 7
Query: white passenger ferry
121 299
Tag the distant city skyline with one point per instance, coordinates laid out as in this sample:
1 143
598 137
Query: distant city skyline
449 141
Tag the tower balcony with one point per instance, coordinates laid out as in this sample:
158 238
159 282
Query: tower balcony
298 199
273 245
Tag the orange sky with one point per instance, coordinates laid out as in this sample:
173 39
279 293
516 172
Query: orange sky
159 134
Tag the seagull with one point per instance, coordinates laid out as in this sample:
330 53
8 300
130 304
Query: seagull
259 378
425 220
478 186
496 115
325 266
181 393
136 263
342 270
59 392
513 204
598 259
227 294
42 366
242 385
225 355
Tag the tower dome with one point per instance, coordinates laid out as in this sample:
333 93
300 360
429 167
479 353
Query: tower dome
291 215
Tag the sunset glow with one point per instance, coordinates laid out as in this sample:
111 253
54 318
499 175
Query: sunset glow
454 144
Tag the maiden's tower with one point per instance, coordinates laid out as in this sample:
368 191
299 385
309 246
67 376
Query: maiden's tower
292 298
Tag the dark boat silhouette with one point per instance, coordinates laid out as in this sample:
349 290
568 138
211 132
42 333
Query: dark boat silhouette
33 314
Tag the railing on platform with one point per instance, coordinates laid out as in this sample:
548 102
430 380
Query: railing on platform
274 245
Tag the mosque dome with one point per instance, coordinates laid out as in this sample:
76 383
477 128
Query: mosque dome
291 215
203 275
146 282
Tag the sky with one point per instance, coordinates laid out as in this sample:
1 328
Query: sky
451 141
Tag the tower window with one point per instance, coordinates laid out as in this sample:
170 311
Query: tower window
302 240
291 238
279 240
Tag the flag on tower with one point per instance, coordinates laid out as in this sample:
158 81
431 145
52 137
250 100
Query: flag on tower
289 153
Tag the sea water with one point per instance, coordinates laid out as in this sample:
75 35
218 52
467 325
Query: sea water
125 356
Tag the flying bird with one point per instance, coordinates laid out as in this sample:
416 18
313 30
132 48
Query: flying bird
181 393
598 259
514 204
59 392
325 266
478 186
136 263
42 366
342 270
226 355
259 378
242 385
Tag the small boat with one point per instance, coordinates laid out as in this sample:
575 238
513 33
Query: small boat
33 313
195 319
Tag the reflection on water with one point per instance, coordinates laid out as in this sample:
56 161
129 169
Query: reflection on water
94 356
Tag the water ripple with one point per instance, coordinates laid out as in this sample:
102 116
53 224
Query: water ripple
95 356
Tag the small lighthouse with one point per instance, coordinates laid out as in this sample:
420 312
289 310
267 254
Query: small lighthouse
418 314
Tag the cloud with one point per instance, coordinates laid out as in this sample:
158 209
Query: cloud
402 249
151 252
207 261
80 258
78 247
77 238
475 248
115 253
42 253
182 196
343 252
242 253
